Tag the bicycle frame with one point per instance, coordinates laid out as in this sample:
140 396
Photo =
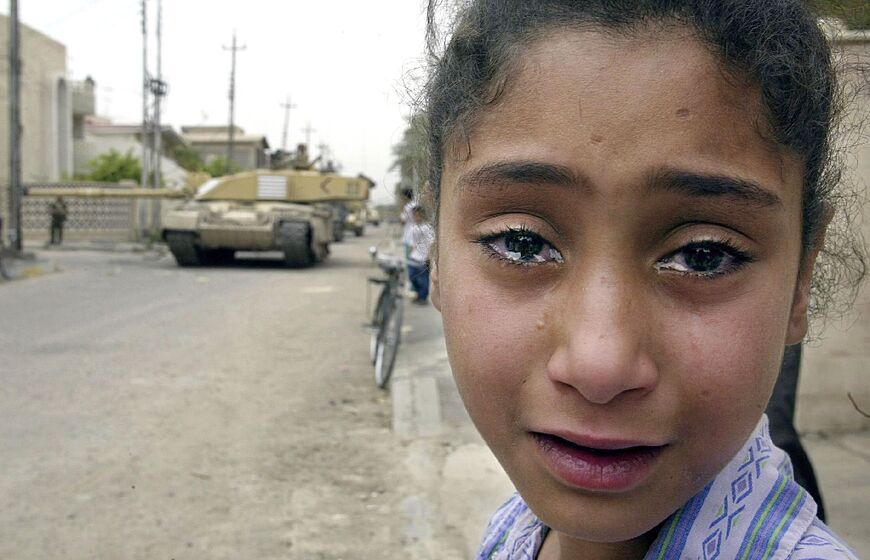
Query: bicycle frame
386 321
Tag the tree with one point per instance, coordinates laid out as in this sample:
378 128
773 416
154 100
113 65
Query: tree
113 167
854 13
411 153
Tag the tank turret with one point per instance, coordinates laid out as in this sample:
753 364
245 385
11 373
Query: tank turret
265 210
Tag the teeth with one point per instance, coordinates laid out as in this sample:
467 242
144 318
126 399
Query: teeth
595 450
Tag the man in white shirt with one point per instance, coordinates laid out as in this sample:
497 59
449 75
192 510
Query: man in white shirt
418 238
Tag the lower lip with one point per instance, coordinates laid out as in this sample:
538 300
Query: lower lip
604 471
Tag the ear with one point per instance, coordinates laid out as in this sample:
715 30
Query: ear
798 323
435 290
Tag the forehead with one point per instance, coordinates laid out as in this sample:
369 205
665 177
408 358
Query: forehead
651 98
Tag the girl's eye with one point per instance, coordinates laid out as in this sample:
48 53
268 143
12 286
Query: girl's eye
707 259
521 246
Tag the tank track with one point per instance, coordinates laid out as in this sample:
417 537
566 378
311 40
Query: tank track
294 239
183 248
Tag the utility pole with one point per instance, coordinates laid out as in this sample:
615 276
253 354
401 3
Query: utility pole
286 106
14 129
146 86
158 90
232 131
323 147
308 130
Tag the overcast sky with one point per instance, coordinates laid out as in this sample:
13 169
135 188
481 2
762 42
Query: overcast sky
345 63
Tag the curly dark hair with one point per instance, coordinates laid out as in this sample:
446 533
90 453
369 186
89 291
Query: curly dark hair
776 45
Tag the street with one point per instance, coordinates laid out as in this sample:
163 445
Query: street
149 411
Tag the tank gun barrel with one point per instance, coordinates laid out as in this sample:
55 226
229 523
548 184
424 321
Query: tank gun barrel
102 192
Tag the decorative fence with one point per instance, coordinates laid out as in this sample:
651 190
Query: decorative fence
113 219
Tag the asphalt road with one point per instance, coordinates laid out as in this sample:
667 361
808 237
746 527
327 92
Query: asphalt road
154 412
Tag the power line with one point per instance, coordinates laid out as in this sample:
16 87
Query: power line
73 13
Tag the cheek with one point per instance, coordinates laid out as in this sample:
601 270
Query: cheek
493 343
729 364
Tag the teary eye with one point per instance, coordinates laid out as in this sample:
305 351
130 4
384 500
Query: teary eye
521 246
707 259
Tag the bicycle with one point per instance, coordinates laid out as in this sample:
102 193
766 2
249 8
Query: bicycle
386 321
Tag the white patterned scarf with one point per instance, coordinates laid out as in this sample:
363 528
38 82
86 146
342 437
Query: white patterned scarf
753 510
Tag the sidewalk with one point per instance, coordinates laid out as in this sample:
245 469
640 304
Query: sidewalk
94 245
33 261
462 484
25 265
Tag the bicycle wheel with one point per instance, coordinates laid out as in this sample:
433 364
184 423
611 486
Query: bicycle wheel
388 347
377 326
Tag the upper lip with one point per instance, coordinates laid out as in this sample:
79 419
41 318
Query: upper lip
600 442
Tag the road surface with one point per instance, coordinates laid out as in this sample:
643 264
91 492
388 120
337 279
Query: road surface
153 412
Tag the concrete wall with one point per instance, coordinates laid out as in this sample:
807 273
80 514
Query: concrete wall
45 110
839 363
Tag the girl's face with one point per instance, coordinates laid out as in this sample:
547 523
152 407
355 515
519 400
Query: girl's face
618 275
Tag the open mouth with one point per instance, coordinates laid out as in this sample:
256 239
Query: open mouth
612 468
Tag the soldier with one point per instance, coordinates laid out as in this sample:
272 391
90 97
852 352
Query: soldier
58 211
300 159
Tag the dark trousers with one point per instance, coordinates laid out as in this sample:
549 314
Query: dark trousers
419 276
780 411
56 232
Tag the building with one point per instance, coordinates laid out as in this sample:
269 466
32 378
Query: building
250 151
100 136
52 110
836 365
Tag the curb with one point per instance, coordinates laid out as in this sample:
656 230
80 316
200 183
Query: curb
109 247
18 266
414 390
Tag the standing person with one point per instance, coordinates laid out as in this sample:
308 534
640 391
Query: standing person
58 212
418 238
406 217
630 198
780 410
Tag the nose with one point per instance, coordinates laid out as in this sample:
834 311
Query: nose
603 333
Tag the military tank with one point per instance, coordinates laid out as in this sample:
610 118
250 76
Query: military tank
356 218
265 210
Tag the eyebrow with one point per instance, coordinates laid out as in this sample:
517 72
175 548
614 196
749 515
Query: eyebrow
518 173
701 185
704 185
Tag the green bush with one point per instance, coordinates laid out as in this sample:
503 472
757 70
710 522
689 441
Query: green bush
187 158
217 167
115 167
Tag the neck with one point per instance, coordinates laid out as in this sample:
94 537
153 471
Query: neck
558 546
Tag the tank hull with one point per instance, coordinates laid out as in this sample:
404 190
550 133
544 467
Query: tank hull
264 210
200 228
